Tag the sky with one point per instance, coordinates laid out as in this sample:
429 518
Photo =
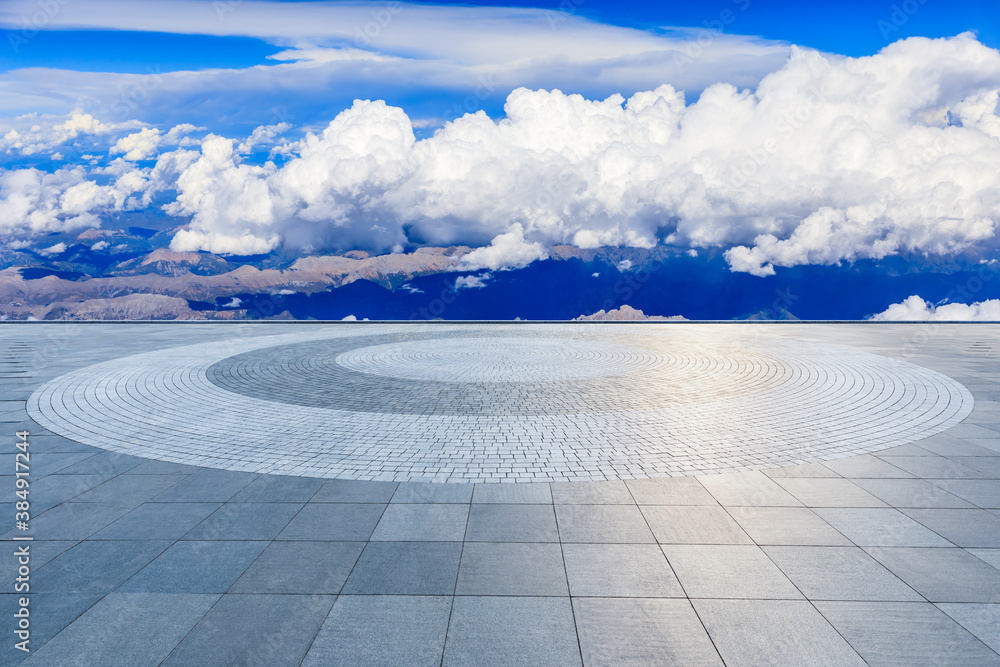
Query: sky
780 133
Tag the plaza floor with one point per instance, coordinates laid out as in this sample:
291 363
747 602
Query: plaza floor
479 494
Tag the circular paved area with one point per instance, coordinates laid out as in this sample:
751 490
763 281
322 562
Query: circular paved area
482 403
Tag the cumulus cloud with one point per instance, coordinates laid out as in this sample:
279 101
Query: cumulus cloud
472 282
829 159
32 134
146 143
914 308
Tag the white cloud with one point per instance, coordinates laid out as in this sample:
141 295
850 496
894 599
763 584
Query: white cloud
507 250
261 135
53 250
349 318
914 308
100 245
31 134
472 282
146 143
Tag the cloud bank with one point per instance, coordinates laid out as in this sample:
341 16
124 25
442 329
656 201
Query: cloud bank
914 308
829 159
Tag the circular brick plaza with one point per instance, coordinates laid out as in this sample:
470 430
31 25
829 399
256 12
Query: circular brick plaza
480 403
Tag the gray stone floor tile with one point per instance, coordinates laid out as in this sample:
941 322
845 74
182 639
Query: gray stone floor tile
773 632
264 630
970 431
942 574
992 444
126 629
635 631
983 493
880 526
195 567
245 521
964 528
786 525
602 523
670 491
96 566
151 467
531 494
56 461
694 525
511 631
866 466
429 492
512 568
364 630
49 491
75 521
107 464
987 464
934 467
512 523
41 552
405 568
129 489
754 489
49 614
839 573
157 521
910 493
728 571
612 492
829 492
279 489
333 521
300 568
207 486
982 620
907 634
352 491
422 523
619 570
991 556
951 447
802 470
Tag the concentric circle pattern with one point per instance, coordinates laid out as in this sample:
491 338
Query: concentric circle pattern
474 403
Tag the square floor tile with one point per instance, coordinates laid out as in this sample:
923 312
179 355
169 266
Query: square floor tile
49 614
406 568
279 489
829 492
878 526
773 632
694 525
422 523
670 491
512 523
195 567
428 492
125 629
333 521
512 631
910 493
364 630
786 525
351 491
753 489
129 489
728 571
602 523
207 486
245 521
592 493
300 568
619 570
941 574
982 620
96 566
802 470
75 521
984 493
905 634
934 467
254 630
636 631
512 568
866 466
964 528
531 494
157 521
839 573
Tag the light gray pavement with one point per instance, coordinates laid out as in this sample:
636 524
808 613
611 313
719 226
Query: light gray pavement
859 554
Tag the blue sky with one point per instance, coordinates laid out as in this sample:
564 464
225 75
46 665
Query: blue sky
780 134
